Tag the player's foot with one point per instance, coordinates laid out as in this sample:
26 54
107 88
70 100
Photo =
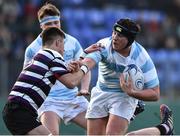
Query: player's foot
139 109
167 118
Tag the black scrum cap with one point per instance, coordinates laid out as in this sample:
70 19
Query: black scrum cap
127 28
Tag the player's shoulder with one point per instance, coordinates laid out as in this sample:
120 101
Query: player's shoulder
139 48
106 44
70 38
105 40
139 53
36 44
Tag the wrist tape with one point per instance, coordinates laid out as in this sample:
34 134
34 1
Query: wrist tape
84 69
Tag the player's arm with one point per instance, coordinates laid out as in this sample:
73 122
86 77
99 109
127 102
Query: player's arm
87 78
93 48
90 63
28 56
71 80
91 55
85 82
150 94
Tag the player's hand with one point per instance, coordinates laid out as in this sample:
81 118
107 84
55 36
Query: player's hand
73 66
126 86
93 48
83 92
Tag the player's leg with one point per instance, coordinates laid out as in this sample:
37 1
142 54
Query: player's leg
51 113
116 125
21 120
165 128
76 111
80 120
40 130
97 112
97 126
51 120
121 109
145 131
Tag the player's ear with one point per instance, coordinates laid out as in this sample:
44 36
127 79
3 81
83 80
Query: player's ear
41 27
57 42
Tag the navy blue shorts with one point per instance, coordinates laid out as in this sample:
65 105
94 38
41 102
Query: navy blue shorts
18 119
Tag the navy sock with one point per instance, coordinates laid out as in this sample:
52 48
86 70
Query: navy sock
163 128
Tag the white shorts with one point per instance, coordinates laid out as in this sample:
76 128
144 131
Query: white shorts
66 110
102 103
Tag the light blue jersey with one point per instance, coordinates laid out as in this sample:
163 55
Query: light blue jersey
111 65
72 51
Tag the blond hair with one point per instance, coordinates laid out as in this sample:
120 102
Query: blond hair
48 10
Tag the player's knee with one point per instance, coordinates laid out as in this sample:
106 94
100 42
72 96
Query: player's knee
54 132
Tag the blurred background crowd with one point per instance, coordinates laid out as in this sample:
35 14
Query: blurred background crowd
89 21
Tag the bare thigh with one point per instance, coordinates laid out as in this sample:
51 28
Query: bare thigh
52 121
116 125
97 126
81 120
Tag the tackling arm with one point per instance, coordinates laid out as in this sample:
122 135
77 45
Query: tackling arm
90 64
85 82
71 80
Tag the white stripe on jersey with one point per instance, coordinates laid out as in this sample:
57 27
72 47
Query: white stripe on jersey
46 80
149 75
29 73
47 54
37 63
26 85
26 97
57 69
142 58
23 84
39 91
49 73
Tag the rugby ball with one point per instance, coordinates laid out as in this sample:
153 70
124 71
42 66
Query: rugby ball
136 75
